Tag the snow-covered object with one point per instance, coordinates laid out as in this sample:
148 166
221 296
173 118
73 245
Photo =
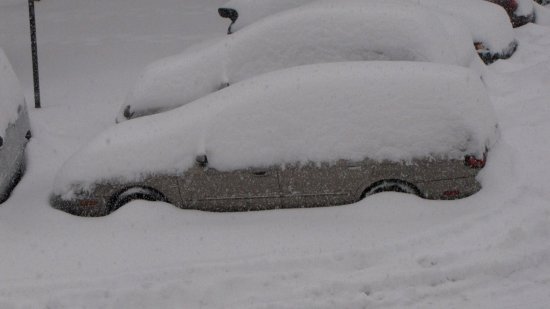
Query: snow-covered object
525 7
488 25
11 95
389 30
383 110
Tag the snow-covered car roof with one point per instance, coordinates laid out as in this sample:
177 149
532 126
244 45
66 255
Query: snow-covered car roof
11 95
381 110
323 33
488 23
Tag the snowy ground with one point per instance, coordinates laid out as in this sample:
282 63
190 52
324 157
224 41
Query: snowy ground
491 250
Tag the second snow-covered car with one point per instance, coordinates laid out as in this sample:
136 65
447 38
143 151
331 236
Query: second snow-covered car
490 28
307 136
323 33
14 129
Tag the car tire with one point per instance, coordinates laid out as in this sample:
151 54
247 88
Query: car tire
391 185
136 193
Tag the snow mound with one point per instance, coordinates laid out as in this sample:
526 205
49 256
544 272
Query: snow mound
11 95
525 7
393 111
306 35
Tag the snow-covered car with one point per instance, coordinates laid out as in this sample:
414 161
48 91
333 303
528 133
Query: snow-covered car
14 129
521 12
318 34
307 136
492 33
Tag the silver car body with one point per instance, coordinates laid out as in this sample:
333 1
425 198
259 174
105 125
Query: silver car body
289 186
230 151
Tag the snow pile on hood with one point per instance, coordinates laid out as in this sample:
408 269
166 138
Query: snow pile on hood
11 95
317 113
487 23
306 35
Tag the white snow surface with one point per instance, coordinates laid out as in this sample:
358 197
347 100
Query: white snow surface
11 95
396 111
389 30
487 22
525 7
392 250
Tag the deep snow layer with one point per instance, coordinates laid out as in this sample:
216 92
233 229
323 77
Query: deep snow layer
390 251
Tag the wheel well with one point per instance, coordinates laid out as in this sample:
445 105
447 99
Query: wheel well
391 185
135 193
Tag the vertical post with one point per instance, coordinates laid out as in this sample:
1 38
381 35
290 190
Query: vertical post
34 49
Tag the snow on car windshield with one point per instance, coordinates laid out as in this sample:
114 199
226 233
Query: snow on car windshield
303 36
11 95
317 113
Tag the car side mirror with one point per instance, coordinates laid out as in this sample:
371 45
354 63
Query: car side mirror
1 141
202 160
231 14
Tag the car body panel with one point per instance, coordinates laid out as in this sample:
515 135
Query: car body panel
313 184
249 189
289 186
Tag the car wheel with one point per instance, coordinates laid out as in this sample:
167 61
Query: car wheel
135 193
391 185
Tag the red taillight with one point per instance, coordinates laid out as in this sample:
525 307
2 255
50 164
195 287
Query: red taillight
511 6
451 194
473 162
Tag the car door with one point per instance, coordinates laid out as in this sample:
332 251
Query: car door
207 188
324 184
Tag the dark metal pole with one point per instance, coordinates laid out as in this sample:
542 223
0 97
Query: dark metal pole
34 49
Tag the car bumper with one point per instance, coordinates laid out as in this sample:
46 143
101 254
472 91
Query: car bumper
81 206
489 56
449 189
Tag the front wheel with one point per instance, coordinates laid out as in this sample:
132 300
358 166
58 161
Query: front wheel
136 193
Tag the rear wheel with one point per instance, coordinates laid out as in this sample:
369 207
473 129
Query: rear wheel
136 193
391 185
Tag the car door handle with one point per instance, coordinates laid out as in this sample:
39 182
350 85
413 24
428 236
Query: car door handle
259 173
